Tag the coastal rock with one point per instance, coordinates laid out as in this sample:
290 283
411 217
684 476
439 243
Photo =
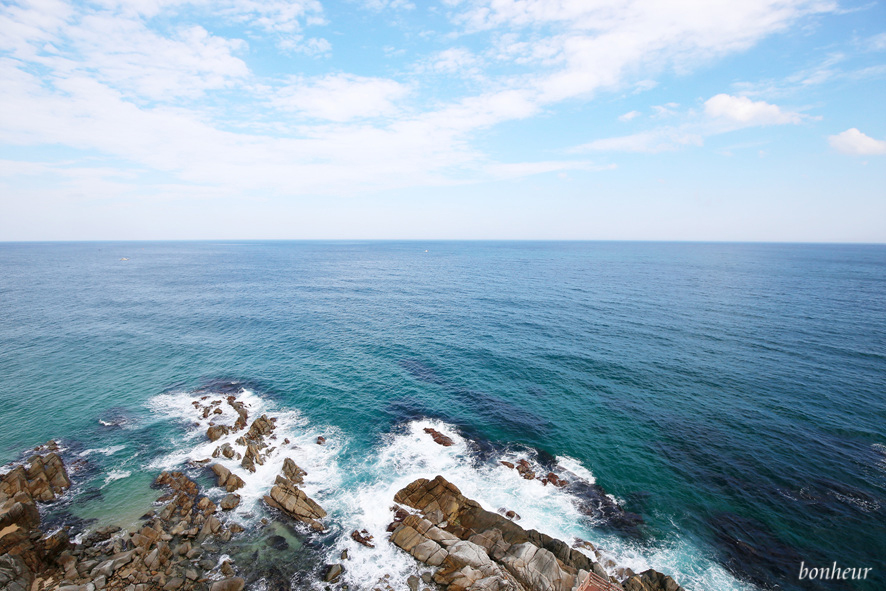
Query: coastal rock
291 500
651 580
261 427
226 478
333 572
216 432
362 537
480 550
229 502
439 438
229 584
293 472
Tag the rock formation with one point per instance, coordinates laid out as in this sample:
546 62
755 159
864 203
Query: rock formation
477 550
24 550
291 500
170 552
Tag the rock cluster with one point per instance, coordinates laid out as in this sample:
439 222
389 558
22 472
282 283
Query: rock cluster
24 549
173 550
525 469
287 497
477 550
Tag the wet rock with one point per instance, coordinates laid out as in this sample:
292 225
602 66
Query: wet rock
229 584
507 464
229 502
478 550
651 580
216 432
333 572
439 438
362 537
412 582
321 440
293 472
291 500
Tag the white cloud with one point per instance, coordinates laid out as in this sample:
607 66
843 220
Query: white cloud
664 139
745 112
854 142
459 61
340 97
599 44
310 46
629 115
723 113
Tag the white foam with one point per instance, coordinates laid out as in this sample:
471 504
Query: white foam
116 475
574 466
319 461
107 451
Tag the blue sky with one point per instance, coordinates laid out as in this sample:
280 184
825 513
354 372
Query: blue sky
464 119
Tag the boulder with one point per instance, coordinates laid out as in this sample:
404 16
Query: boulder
229 502
291 500
333 572
651 580
229 584
216 432
439 438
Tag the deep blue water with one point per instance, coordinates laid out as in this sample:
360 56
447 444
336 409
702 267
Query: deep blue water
733 395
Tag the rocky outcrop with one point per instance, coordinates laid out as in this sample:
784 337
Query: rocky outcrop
24 550
651 580
43 480
291 500
287 497
226 478
478 550
439 438
166 553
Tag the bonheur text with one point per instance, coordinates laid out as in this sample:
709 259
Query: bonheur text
834 572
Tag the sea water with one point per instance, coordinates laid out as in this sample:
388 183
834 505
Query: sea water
732 395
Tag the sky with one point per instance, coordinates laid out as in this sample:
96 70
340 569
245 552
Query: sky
722 120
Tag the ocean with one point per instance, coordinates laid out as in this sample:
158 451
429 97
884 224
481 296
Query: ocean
730 397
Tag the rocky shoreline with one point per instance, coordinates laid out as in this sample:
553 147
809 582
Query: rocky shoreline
180 544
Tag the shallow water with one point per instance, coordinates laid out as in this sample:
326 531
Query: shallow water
732 395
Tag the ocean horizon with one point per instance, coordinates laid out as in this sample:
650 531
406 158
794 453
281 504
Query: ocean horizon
717 408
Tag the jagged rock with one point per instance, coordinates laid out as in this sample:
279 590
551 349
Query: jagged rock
320 440
14 573
290 499
508 464
217 432
293 472
439 437
412 582
651 580
226 478
478 550
260 428
555 480
362 537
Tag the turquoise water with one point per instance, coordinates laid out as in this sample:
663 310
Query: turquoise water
732 395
